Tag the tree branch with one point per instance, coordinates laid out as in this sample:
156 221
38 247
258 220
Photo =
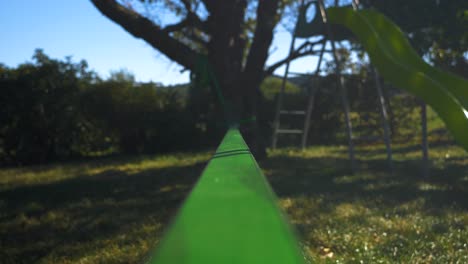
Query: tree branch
195 21
210 5
258 53
192 18
187 5
141 27
187 22
175 27
295 55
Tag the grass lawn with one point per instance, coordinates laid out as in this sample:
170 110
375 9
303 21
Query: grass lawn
114 210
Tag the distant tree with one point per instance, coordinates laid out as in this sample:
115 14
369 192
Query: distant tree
271 87
38 109
138 117
53 110
234 35
437 29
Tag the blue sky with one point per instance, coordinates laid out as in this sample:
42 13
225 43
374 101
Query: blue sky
76 28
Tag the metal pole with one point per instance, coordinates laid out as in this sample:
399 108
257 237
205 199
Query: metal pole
310 104
383 110
344 99
424 143
279 102
384 117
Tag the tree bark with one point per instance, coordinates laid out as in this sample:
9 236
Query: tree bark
225 52
238 77
253 75
143 28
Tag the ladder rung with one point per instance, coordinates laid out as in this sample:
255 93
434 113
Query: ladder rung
289 131
293 112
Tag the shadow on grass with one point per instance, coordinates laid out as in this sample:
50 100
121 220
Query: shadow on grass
118 216
43 219
373 215
330 177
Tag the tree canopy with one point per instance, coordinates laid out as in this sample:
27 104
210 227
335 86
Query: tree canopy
235 36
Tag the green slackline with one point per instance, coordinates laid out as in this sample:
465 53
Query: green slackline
231 216
205 76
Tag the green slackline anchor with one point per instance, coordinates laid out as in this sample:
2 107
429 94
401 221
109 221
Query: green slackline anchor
204 76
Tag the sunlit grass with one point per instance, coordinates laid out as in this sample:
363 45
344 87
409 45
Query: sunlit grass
52 173
106 211
375 215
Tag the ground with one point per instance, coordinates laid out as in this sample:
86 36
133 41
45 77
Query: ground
115 210
375 216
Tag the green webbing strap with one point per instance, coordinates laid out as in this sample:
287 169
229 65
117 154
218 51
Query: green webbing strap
231 216
206 76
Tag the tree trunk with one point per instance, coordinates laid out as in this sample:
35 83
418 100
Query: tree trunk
241 85
225 52
237 77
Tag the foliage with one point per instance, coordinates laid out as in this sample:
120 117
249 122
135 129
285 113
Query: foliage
236 36
39 117
271 87
436 29
327 114
54 110
146 118
57 110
